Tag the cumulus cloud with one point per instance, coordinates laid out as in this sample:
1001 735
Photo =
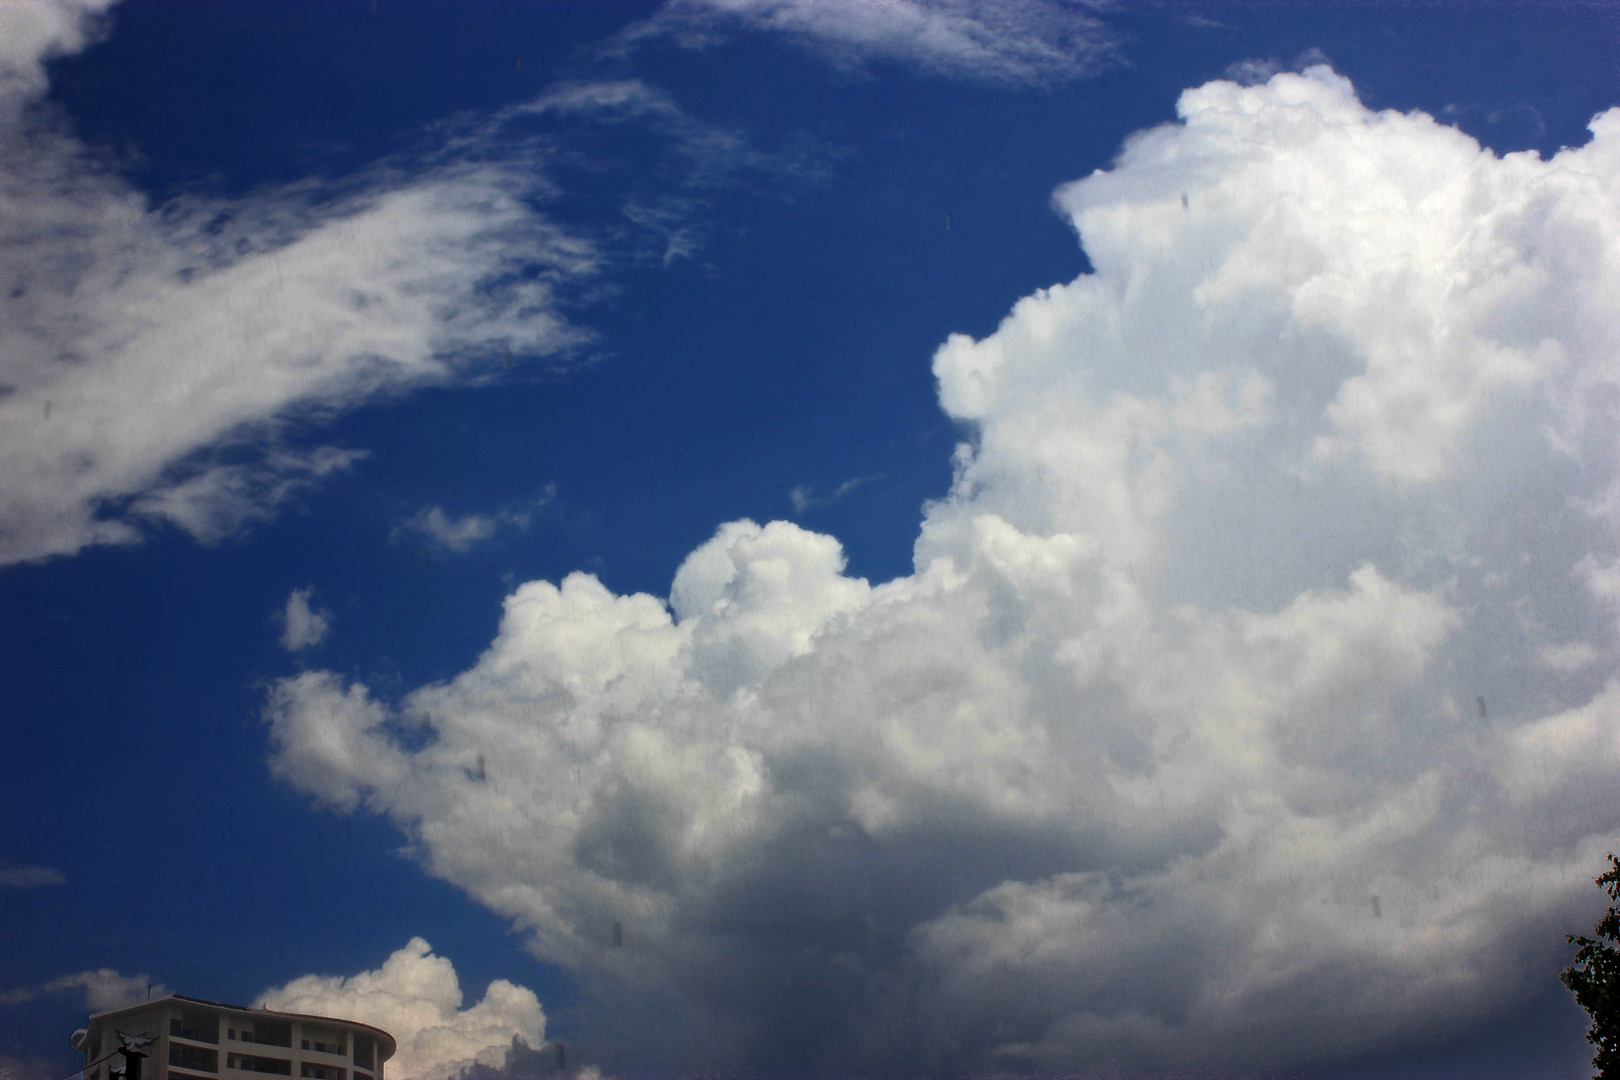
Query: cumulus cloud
1173 750
301 625
1008 42
416 997
105 988
17 876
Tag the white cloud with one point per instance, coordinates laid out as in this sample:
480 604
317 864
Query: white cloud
1184 678
804 497
39 1068
302 625
158 361
171 364
34 31
105 988
1571 656
456 534
416 997
459 534
1012 42
17 876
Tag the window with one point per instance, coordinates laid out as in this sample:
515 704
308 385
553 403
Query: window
321 1072
198 1025
268 1033
363 1049
193 1057
325 1040
275 1066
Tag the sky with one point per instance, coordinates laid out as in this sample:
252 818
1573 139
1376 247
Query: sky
813 537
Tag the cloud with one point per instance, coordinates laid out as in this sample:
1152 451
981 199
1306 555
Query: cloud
665 220
302 625
804 497
15 876
105 988
1007 42
416 997
1167 754
175 365
460 534
34 31
12 1068
454 534
166 364
1255 71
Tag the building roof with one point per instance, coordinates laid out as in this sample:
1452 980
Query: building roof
391 1041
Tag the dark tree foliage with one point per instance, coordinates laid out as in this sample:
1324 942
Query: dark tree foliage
1595 979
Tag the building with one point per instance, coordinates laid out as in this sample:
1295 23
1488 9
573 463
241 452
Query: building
194 1039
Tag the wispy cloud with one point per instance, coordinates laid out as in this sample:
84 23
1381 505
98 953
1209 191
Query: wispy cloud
664 221
301 625
1254 71
1006 42
1184 678
459 534
159 365
15 876
105 988
804 497
177 364
44 1068
454 534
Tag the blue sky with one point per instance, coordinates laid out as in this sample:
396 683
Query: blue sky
982 537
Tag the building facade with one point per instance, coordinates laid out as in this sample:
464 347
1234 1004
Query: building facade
193 1039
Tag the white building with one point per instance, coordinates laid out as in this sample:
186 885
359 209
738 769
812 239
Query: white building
194 1039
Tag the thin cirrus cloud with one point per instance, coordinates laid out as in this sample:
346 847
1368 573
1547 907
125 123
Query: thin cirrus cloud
19 876
1004 42
804 497
102 988
155 360
168 366
452 533
445 532
1264 648
416 997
